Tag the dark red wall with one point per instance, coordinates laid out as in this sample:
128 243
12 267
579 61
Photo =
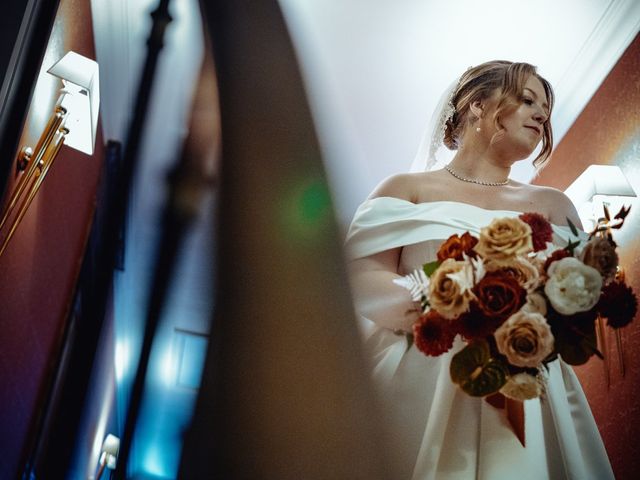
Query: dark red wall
39 268
607 132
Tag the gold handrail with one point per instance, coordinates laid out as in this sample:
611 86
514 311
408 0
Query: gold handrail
45 139
46 152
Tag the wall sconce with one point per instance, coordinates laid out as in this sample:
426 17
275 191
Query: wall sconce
109 454
599 185
73 122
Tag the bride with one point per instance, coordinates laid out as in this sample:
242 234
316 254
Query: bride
495 115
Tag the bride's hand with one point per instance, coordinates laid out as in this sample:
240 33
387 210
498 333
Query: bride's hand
376 296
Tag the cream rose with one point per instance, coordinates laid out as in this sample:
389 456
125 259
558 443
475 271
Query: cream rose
535 303
520 268
572 286
525 339
600 253
450 288
503 239
522 386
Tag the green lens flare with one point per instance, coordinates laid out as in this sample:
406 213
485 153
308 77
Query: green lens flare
307 208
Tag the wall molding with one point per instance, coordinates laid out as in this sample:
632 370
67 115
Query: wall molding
611 36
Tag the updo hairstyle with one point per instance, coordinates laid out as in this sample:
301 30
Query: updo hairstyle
479 83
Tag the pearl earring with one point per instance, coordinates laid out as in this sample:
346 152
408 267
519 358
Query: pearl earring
478 129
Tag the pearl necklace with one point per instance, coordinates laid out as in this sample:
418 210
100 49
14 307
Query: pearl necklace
473 180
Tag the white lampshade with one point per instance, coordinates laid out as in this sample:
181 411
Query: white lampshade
81 98
597 185
110 448
599 180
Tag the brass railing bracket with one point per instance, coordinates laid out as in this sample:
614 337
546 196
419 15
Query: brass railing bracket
23 158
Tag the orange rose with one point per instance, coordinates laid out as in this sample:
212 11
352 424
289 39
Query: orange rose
455 246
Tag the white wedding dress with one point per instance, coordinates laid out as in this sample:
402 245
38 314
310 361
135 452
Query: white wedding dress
439 431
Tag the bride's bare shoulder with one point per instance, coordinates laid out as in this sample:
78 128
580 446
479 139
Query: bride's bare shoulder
405 186
554 203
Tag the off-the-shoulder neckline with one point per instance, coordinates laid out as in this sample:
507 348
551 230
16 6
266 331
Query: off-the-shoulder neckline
444 201
455 202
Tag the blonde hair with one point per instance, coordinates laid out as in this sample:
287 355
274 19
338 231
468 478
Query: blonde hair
479 83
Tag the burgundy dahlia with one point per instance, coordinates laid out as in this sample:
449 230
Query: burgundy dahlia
556 255
541 231
618 304
433 334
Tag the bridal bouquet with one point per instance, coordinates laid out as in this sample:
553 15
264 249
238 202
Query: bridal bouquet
518 301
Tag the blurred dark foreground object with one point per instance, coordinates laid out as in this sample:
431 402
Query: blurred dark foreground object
285 393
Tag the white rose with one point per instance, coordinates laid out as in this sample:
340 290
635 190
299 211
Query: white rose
572 286
525 339
522 386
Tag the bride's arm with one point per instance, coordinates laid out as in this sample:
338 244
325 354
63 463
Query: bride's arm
376 296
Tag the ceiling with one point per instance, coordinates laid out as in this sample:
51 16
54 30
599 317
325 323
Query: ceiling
374 69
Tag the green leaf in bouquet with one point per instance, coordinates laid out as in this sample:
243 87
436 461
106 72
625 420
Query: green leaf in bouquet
476 372
590 344
574 354
424 303
430 267
572 227
550 358
576 346
408 336
571 246
410 341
